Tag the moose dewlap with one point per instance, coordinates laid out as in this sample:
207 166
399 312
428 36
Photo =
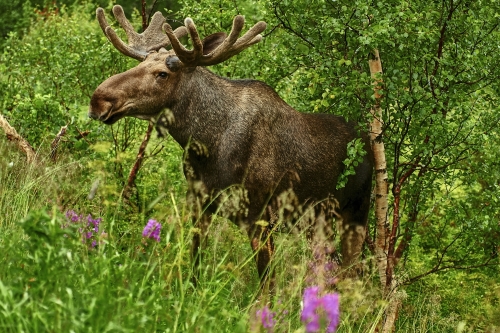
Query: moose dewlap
280 165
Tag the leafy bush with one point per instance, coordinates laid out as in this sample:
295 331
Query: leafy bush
49 74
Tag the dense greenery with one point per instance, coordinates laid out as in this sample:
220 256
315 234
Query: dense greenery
441 114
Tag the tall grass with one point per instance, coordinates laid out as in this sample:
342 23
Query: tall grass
54 281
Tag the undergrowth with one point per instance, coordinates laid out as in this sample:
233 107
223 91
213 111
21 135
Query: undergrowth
67 272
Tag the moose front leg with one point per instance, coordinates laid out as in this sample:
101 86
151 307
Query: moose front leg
197 198
263 246
199 242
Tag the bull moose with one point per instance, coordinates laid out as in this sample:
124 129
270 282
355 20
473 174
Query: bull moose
249 156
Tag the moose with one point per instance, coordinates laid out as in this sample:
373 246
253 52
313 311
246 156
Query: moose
249 156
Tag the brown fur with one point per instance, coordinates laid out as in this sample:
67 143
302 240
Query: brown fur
242 140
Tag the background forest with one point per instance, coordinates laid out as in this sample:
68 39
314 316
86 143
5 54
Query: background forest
440 112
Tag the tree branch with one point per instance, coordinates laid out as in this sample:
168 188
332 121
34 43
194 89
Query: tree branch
21 143
127 191
437 268
289 27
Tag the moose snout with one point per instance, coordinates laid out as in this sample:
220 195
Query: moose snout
93 115
100 106
100 111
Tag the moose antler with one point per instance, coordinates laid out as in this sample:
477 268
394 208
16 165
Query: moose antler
152 39
231 45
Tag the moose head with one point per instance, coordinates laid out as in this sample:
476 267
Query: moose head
250 157
153 85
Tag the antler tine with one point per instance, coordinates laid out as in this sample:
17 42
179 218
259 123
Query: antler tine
238 24
101 18
252 36
152 39
195 38
231 46
187 57
155 28
122 20
122 47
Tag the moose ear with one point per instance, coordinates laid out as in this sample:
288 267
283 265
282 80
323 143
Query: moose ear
210 43
173 63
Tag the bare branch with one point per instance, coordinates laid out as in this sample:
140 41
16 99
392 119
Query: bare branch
439 268
55 143
21 143
288 27
127 191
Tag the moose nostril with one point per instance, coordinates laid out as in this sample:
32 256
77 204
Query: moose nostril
100 107
93 116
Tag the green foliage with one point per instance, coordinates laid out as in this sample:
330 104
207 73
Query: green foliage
14 16
440 310
49 74
355 153
128 282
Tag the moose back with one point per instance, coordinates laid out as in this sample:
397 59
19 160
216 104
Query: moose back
249 156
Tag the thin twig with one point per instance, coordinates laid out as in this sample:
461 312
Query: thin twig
127 191
55 143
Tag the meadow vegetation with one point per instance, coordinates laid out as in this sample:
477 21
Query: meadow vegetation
62 271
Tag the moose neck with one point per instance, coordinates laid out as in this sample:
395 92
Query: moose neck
203 110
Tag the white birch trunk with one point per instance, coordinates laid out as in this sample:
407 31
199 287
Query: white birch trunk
381 188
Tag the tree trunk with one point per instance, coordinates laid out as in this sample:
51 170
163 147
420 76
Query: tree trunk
395 299
388 283
381 189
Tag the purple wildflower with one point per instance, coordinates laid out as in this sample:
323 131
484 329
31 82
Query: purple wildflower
312 303
266 317
88 228
329 266
152 230
72 216
91 221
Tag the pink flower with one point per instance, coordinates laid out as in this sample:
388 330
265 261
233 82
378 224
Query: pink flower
266 317
312 303
152 230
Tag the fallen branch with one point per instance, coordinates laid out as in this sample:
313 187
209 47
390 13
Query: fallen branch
21 142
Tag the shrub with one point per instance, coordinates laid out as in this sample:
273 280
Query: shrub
49 74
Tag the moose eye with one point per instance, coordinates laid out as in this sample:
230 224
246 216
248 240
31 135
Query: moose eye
163 75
